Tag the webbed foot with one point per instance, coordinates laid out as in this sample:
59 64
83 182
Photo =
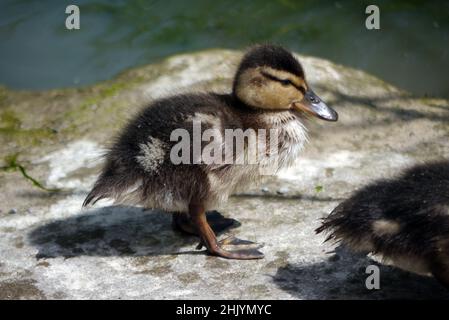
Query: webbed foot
243 249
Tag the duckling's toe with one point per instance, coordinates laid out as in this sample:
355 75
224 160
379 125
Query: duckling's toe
242 249
242 254
233 241
219 223
239 254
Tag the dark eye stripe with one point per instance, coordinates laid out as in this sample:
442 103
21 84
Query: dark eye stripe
271 77
284 81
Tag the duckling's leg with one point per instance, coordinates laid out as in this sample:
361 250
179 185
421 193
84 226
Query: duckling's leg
218 223
198 216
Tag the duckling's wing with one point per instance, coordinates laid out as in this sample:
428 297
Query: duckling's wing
139 163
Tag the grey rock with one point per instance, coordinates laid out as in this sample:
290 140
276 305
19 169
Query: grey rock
282 190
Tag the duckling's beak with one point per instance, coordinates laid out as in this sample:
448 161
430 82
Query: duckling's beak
312 104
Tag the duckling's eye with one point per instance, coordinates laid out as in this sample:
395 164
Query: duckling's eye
285 82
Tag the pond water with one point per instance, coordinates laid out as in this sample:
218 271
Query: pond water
38 52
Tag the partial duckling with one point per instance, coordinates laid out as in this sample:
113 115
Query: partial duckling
404 221
148 165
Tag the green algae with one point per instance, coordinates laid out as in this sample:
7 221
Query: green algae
11 129
12 166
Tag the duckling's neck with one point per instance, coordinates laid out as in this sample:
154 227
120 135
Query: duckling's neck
287 122
288 127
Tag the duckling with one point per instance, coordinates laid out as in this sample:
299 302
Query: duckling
269 91
404 221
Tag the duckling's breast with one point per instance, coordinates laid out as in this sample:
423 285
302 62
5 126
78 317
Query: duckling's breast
291 136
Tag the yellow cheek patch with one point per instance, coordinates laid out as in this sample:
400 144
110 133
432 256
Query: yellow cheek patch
257 90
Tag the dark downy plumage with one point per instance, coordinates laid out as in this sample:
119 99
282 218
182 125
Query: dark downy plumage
403 220
269 92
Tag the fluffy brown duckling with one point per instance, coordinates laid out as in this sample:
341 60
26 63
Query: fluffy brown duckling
405 221
144 166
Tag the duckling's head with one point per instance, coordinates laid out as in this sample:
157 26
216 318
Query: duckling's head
270 78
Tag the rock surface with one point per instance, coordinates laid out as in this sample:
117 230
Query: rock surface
51 249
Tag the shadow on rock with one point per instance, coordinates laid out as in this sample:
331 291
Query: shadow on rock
111 231
343 276
398 112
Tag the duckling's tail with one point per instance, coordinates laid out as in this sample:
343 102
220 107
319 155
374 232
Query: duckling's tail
331 223
122 187
97 193
101 190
